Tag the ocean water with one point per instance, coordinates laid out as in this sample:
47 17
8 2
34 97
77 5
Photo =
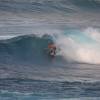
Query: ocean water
26 70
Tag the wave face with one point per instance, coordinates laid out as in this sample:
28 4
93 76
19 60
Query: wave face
26 49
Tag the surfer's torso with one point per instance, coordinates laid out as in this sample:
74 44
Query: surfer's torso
52 50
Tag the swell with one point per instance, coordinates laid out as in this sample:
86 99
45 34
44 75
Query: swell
49 5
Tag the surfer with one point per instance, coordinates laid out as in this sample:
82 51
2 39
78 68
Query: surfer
51 49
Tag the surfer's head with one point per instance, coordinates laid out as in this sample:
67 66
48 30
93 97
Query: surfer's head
51 45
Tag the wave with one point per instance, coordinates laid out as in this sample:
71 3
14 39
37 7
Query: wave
27 48
72 46
25 57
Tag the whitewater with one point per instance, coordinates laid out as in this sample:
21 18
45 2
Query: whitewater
26 70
